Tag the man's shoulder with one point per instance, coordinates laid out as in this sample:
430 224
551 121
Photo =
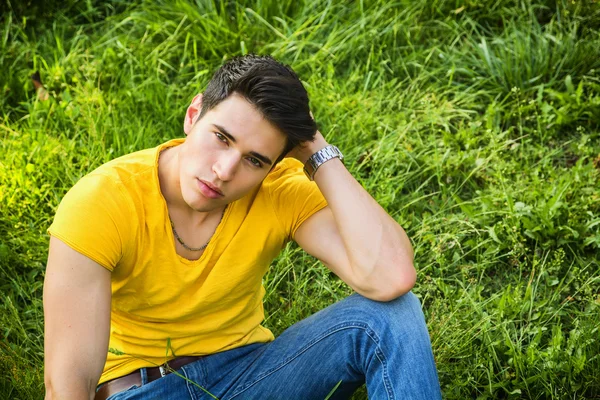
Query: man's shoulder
124 179
288 180
139 165
287 168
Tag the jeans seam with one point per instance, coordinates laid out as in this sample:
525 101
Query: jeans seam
386 378
192 389
347 325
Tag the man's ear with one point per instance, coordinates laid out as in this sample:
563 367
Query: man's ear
192 114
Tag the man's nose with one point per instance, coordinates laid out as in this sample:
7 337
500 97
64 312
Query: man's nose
226 166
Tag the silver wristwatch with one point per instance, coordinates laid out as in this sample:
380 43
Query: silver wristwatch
319 158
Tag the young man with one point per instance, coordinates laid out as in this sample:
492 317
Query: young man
159 256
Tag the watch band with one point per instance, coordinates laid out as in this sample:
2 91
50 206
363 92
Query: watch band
320 158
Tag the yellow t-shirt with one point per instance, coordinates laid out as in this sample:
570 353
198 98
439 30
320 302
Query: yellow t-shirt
117 216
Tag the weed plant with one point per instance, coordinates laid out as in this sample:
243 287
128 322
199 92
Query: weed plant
475 123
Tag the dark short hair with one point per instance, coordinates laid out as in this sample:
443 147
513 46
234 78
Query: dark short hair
272 87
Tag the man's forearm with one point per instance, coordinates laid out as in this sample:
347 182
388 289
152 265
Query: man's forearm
378 249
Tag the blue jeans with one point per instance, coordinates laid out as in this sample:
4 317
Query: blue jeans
354 341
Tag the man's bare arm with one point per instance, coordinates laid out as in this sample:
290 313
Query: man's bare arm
354 236
77 297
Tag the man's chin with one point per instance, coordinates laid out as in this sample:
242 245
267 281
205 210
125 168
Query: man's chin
199 203
206 207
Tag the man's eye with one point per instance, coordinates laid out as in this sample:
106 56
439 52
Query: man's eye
255 162
221 137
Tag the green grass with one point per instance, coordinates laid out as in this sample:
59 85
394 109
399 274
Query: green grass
476 124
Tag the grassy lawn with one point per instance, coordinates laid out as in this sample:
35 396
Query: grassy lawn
475 123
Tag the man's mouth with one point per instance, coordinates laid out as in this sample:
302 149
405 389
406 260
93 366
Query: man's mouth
209 190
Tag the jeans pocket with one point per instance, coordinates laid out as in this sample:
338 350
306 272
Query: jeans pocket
122 393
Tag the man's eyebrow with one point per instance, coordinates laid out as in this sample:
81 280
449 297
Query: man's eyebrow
262 158
225 132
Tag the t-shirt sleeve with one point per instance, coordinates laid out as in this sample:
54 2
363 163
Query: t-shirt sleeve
92 219
295 198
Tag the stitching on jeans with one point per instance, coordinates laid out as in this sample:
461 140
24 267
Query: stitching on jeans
386 378
347 325
192 390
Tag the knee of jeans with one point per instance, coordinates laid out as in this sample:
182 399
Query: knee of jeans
401 312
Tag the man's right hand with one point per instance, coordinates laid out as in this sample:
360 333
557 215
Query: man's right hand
77 296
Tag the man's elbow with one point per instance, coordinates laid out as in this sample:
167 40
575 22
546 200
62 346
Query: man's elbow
399 287
391 287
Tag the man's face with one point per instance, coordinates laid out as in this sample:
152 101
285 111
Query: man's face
227 152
